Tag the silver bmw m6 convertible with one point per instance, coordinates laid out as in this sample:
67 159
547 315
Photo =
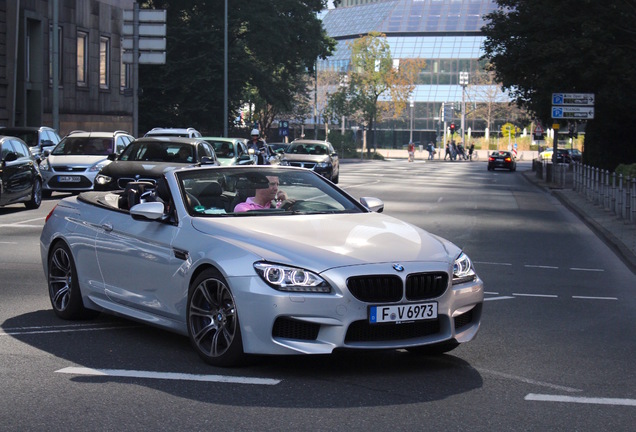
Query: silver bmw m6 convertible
259 260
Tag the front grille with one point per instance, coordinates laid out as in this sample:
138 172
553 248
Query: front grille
421 286
362 331
66 168
463 319
308 165
289 328
375 289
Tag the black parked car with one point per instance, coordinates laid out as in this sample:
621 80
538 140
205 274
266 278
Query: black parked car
20 179
145 159
502 159
319 156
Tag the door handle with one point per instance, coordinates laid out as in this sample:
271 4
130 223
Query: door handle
107 227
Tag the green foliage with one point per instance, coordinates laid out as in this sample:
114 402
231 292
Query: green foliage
343 144
272 45
627 170
540 47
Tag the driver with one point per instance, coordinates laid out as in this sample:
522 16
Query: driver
263 198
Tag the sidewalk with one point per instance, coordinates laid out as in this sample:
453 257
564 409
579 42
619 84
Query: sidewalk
618 234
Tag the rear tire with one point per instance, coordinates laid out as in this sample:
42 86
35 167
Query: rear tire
64 291
36 196
213 322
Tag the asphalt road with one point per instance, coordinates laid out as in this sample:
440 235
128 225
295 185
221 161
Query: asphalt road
555 352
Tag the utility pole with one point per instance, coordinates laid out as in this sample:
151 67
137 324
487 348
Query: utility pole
463 81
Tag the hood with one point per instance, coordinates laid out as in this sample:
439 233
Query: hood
321 242
119 168
76 160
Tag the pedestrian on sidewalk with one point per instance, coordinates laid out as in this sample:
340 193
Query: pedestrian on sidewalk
411 150
448 152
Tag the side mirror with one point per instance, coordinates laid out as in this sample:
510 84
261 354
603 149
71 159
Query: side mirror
147 210
111 156
373 204
10 157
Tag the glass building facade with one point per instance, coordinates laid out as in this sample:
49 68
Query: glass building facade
445 33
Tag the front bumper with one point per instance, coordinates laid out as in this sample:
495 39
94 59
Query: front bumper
274 322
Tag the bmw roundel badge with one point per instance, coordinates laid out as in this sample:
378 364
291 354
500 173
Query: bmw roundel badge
398 267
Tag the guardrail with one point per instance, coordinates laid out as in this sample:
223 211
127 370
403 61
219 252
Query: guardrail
612 191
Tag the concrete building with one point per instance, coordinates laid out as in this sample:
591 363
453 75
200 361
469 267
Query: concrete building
447 35
93 91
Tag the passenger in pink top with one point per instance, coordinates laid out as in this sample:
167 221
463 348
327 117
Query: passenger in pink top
263 198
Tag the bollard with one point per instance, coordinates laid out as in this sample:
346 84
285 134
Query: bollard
619 197
613 199
628 201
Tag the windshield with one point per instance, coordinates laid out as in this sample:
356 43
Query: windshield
156 151
307 148
84 146
260 191
223 149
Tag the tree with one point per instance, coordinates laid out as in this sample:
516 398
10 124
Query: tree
372 75
271 46
540 47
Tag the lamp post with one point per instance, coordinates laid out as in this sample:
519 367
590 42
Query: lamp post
411 134
463 81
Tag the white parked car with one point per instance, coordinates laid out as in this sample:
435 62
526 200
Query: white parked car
76 160
205 253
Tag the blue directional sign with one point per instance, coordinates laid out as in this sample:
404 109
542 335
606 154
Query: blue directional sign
572 112
585 99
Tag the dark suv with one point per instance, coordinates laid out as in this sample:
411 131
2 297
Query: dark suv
37 138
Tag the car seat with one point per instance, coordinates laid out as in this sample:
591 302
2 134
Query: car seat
133 193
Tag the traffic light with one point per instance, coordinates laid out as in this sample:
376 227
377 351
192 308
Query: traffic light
452 128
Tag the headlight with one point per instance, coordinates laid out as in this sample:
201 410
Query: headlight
44 165
284 162
98 166
291 279
323 165
102 179
463 270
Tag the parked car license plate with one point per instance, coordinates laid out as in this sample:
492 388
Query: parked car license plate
69 179
402 313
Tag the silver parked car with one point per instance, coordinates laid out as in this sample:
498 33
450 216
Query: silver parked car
305 270
75 162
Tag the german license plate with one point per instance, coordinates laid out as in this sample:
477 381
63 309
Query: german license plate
402 313
69 179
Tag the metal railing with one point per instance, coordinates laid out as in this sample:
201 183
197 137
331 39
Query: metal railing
613 192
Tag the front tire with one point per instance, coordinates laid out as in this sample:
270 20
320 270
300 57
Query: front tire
213 323
64 291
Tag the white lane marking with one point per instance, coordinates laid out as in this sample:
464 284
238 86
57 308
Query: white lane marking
587 269
8 242
582 400
594 298
535 295
47 330
530 381
167 376
19 225
492 263
541 266
498 298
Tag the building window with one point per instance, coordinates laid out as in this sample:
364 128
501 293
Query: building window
59 55
125 80
82 59
104 62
